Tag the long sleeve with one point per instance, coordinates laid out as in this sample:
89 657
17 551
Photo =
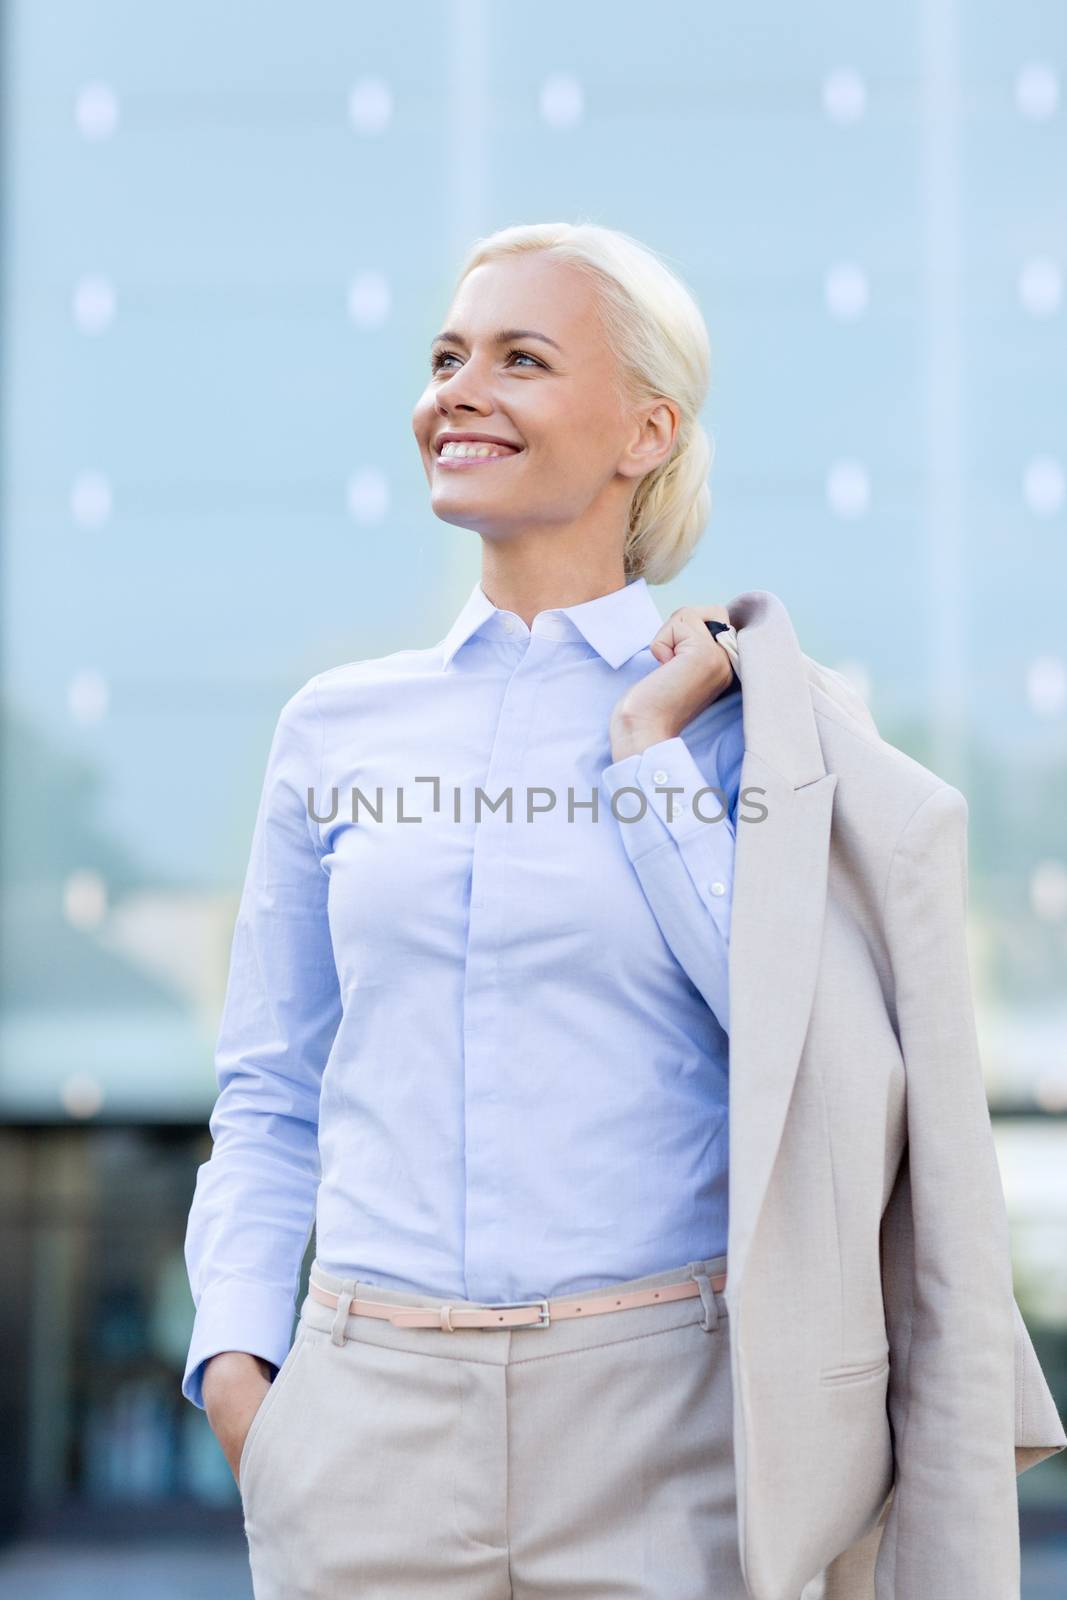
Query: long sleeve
952 1526
254 1201
682 855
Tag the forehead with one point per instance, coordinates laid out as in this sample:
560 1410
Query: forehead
532 291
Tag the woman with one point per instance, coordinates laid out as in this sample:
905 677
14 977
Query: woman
489 989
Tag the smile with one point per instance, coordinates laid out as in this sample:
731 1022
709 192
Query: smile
478 456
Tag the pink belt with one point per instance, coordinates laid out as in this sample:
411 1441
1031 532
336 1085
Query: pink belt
509 1314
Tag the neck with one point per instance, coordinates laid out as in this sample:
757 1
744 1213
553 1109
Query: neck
528 582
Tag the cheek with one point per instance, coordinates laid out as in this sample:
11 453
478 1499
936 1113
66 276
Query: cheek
422 417
577 455
581 432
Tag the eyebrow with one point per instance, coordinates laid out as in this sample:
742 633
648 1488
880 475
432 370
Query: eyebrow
503 337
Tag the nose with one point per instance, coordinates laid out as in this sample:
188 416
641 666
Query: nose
463 391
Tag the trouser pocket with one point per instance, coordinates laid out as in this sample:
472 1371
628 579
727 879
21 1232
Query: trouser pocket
268 1407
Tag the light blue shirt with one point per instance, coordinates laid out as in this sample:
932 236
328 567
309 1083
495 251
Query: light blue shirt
467 1050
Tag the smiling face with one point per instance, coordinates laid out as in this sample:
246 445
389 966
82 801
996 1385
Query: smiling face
524 361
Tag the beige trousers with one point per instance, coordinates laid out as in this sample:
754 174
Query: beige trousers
589 1460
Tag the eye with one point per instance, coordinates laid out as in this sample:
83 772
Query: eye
441 356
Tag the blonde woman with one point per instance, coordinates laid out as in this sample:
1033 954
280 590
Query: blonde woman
599 990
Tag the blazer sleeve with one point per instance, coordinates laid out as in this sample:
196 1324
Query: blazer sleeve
254 1199
951 1529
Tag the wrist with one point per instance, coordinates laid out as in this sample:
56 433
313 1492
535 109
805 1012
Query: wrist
630 737
232 1363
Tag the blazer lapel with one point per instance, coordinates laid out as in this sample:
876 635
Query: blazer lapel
779 900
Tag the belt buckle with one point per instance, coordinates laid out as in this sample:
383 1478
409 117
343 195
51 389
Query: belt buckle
513 1305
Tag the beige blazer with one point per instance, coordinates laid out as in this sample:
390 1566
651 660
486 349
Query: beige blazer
885 1389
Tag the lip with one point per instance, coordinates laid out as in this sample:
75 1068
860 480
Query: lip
459 463
473 438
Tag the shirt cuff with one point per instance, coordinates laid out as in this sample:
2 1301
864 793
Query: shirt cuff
234 1314
681 805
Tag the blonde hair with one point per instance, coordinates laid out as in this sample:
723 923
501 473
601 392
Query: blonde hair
655 327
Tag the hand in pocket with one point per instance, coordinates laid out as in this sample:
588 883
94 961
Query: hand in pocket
235 1386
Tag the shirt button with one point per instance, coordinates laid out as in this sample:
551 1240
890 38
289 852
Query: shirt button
660 776
718 888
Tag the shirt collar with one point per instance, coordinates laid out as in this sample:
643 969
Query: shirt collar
617 625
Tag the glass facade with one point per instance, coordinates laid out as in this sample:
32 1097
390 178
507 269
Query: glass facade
216 319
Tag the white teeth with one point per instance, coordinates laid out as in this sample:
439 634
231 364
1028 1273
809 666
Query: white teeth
480 450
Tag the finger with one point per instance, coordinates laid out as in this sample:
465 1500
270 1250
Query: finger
687 623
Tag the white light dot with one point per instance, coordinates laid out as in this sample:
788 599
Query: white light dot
96 111
846 291
1040 286
370 106
84 899
91 501
87 696
1048 891
856 676
848 488
844 95
1046 685
369 299
1037 91
562 101
368 495
81 1095
94 304
1043 485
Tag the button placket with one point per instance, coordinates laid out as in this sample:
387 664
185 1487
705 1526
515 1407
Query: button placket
484 1050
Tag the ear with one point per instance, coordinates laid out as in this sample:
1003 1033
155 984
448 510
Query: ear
655 433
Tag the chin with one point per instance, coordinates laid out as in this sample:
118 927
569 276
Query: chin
459 516
470 516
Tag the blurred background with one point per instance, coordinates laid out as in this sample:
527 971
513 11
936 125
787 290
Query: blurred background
228 237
